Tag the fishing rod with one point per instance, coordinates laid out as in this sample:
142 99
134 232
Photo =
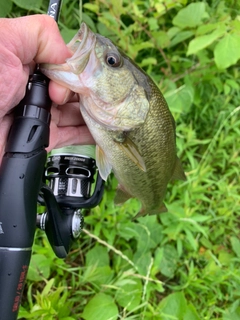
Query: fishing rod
64 187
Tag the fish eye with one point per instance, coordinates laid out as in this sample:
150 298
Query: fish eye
113 60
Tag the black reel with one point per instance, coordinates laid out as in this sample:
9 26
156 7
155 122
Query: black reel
70 186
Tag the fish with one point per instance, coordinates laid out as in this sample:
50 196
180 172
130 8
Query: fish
127 116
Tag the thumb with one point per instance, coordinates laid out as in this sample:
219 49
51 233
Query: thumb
35 38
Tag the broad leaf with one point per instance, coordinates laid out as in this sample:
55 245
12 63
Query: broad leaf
190 16
28 4
100 307
168 263
227 51
39 268
174 305
5 8
202 42
129 295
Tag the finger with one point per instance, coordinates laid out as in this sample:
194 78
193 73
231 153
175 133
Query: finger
5 124
66 136
42 40
67 115
58 93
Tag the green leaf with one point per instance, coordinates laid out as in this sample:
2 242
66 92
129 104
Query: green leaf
191 313
161 38
235 242
202 42
180 37
92 7
129 295
39 268
232 315
180 99
98 275
191 239
190 16
173 306
168 263
98 255
5 8
149 232
98 270
153 23
227 51
100 307
206 28
142 261
28 4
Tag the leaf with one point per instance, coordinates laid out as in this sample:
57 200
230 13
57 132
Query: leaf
5 8
180 99
168 263
100 307
98 270
161 38
191 313
149 232
206 28
98 275
180 37
28 4
202 42
173 306
142 261
190 16
227 51
98 255
232 315
91 7
191 239
235 242
39 268
153 23
129 295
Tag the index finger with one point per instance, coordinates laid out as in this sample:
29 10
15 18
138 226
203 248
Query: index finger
35 37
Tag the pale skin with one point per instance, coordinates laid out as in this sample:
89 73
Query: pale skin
24 42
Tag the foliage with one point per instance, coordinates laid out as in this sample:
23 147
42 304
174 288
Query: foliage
183 264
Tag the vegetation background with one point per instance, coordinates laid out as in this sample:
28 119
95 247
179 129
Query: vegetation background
184 264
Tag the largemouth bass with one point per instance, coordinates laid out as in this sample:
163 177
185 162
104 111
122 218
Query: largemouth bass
126 115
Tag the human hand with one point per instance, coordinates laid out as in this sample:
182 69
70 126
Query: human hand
24 42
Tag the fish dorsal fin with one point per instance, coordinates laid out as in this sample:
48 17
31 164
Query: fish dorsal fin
103 165
131 150
121 195
178 173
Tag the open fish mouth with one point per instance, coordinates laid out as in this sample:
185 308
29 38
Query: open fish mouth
81 47
79 39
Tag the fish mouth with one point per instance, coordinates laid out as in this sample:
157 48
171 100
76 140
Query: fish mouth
81 47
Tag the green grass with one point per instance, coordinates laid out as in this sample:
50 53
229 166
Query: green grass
184 264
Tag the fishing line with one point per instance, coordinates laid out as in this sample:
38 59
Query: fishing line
80 12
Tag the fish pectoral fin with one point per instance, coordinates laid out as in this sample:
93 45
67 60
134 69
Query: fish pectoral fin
131 150
121 195
178 173
103 165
